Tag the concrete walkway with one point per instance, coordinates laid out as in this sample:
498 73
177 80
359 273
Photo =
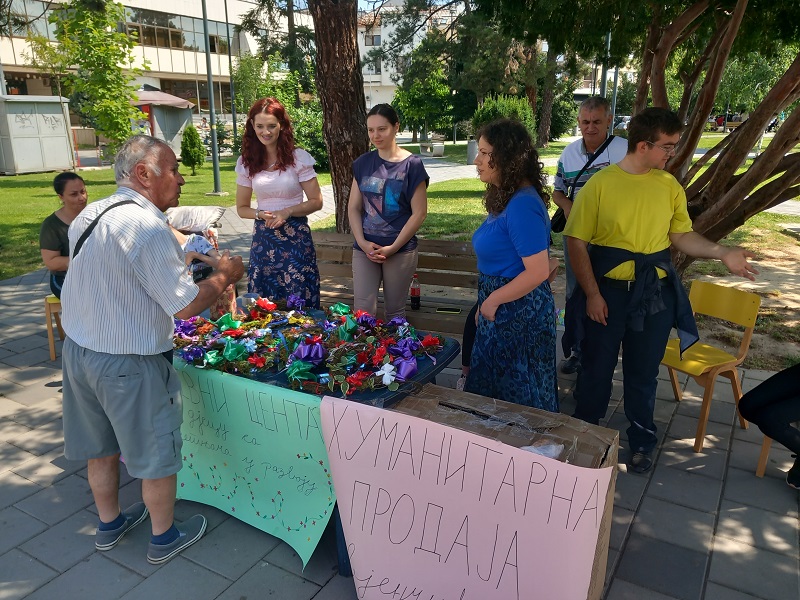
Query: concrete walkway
699 526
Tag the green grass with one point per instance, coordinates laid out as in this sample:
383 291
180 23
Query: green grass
457 153
25 201
455 210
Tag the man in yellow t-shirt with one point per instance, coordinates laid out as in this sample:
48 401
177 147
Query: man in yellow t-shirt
631 213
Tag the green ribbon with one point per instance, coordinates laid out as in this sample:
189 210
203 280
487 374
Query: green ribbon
300 371
348 329
339 309
234 351
213 357
226 322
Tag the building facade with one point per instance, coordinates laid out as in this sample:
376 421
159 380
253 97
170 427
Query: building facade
171 44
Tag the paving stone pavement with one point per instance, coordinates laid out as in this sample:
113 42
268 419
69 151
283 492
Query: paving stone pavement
700 526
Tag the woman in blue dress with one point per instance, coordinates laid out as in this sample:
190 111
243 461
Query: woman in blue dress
514 356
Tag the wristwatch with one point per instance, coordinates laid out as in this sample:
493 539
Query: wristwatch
257 217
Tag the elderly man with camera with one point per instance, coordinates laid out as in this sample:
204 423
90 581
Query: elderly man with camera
127 279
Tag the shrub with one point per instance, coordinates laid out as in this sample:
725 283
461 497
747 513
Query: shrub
193 152
307 125
563 117
505 107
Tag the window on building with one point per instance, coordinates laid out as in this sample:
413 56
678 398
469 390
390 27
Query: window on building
175 39
162 37
372 40
148 35
134 32
372 67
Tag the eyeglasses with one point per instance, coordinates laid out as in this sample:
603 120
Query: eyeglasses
665 149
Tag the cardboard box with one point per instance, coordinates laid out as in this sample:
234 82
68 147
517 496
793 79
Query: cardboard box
581 444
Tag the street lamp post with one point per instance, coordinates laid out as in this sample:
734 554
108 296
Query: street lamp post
230 70
212 113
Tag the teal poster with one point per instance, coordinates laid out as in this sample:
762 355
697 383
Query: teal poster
256 451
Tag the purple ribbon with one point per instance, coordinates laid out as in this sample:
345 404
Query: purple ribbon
406 368
312 353
397 321
295 302
410 344
185 328
367 320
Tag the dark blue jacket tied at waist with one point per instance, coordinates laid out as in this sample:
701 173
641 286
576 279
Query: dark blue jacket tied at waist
645 296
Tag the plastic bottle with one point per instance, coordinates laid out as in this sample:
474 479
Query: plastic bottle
415 293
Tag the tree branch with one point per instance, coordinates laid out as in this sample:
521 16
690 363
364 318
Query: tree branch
664 48
705 100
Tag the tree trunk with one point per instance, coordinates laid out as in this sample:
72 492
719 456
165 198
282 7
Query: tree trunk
664 47
543 131
643 85
414 138
680 163
341 91
531 87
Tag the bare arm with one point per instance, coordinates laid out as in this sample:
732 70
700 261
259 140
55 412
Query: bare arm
53 260
562 202
229 270
733 257
419 210
596 308
244 195
537 269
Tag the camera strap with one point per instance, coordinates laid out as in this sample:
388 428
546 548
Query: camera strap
592 158
93 224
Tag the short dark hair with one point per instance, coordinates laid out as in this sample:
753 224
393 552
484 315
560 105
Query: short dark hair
386 111
594 102
61 180
647 125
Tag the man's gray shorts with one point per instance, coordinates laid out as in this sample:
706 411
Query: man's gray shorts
122 403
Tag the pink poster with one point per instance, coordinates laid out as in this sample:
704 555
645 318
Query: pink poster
435 513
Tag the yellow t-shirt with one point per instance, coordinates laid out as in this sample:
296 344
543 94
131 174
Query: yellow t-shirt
632 212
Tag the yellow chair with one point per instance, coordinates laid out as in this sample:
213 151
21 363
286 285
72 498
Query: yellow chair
52 308
704 362
763 457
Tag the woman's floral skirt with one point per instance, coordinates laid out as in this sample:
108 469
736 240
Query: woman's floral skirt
514 357
283 262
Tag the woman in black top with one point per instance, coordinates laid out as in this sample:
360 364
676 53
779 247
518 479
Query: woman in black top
53 239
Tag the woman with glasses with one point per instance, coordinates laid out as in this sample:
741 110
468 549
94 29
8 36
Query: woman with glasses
514 355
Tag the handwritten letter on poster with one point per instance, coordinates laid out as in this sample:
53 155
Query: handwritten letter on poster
430 511
256 452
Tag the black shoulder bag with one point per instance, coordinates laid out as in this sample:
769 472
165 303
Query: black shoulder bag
558 220
93 224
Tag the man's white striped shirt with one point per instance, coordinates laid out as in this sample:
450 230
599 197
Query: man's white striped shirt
127 281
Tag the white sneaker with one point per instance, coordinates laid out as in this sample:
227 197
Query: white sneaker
461 382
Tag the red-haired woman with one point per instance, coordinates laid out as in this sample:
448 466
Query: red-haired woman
283 261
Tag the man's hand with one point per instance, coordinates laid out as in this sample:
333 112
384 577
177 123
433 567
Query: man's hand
735 259
596 309
230 266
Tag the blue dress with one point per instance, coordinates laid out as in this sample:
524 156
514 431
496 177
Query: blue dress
514 356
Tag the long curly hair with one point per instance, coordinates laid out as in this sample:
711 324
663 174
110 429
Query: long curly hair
254 153
514 156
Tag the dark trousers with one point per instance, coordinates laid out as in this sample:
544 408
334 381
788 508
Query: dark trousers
470 329
642 352
774 405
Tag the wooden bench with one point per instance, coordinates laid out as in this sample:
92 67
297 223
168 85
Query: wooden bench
447 271
435 147
731 125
